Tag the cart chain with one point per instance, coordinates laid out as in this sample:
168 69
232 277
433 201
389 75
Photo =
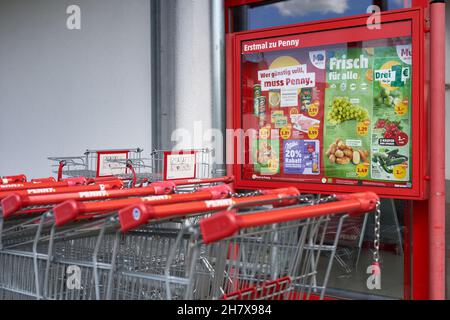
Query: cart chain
247 195
376 243
327 199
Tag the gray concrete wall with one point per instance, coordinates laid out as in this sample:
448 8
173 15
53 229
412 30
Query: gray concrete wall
186 97
64 91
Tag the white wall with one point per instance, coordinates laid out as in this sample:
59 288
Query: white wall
64 91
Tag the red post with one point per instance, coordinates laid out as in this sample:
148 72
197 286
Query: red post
437 161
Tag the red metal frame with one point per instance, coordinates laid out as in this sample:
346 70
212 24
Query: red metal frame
229 4
329 32
436 218
416 254
168 153
420 254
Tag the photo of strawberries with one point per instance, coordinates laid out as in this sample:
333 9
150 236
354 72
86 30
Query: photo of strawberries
392 130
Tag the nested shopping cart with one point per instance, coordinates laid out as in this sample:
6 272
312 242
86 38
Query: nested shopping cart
26 243
264 254
26 218
154 259
41 200
29 203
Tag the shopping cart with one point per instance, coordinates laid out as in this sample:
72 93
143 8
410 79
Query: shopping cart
80 243
275 255
140 253
25 216
108 195
193 270
24 201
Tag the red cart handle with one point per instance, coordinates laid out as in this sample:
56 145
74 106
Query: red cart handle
107 190
43 188
137 215
165 187
30 185
44 180
25 198
72 210
79 181
226 224
13 179
227 179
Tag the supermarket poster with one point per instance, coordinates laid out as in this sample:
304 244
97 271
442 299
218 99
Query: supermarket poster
329 115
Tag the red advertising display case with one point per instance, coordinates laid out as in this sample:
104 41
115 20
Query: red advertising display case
332 106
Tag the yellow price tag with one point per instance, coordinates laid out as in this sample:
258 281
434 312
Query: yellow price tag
273 166
401 109
264 134
293 111
362 129
313 110
313 132
400 172
362 170
285 133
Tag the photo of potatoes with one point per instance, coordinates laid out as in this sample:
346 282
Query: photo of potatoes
340 154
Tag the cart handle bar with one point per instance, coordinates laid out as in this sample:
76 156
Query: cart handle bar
20 199
134 216
111 190
13 179
71 210
228 223
227 179
30 185
44 180
40 189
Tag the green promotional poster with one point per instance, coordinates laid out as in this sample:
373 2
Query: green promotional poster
368 114
391 135
348 113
